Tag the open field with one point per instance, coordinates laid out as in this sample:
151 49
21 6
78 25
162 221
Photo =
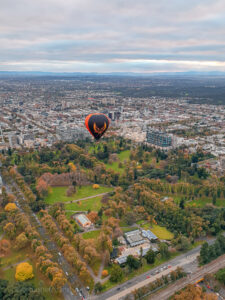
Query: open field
202 202
91 234
58 194
198 202
85 205
122 156
161 232
39 279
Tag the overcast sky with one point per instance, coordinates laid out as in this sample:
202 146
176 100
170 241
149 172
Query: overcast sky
112 35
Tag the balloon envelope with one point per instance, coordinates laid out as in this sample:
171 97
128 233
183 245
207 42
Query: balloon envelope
97 124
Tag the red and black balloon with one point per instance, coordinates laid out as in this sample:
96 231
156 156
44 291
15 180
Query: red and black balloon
97 124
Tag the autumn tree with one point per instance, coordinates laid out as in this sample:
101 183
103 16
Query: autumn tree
24 271
93 216
10 207
21 241
4 247
10 230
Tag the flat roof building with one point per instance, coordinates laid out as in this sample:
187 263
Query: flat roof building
134 238
83 221
149 235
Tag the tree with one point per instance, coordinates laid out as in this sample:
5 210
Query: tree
10 207
10 229
214 199
105 273
220 275
21 241
70 191
133 262
164 250
22 290
4 247
24 271
95 186
116 273
204 253
98 287
150 256
3 286
93 216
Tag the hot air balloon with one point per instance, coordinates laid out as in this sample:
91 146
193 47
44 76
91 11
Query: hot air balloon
97 124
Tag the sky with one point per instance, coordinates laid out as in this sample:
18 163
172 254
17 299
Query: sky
142 36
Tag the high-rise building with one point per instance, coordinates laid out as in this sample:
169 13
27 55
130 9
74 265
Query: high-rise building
158 138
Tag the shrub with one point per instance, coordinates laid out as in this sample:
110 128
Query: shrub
105 273
95 186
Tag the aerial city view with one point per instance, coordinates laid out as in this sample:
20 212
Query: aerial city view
112 150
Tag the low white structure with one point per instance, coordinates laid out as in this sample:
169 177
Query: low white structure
83 221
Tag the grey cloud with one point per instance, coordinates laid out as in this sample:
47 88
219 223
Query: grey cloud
96 33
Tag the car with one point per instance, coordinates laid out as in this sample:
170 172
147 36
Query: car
77 290
169 266
87 288
59 254
118 288
148 276
66 273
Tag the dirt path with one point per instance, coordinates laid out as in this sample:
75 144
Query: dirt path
86 198
13 265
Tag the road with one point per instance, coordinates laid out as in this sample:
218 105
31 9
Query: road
51 246
210 268
188 261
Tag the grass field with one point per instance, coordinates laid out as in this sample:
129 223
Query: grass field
58 194
122 156
91 234
9 275
199 202
161 232
202 202
85 205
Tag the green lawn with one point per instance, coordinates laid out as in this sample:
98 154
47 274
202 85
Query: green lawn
202 202
58 194
91 234
122 156
199 202
9 275
161 232
127 229
84 205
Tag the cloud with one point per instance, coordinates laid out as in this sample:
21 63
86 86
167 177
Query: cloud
117 35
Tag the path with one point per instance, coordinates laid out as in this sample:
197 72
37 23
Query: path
86 198
13 265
